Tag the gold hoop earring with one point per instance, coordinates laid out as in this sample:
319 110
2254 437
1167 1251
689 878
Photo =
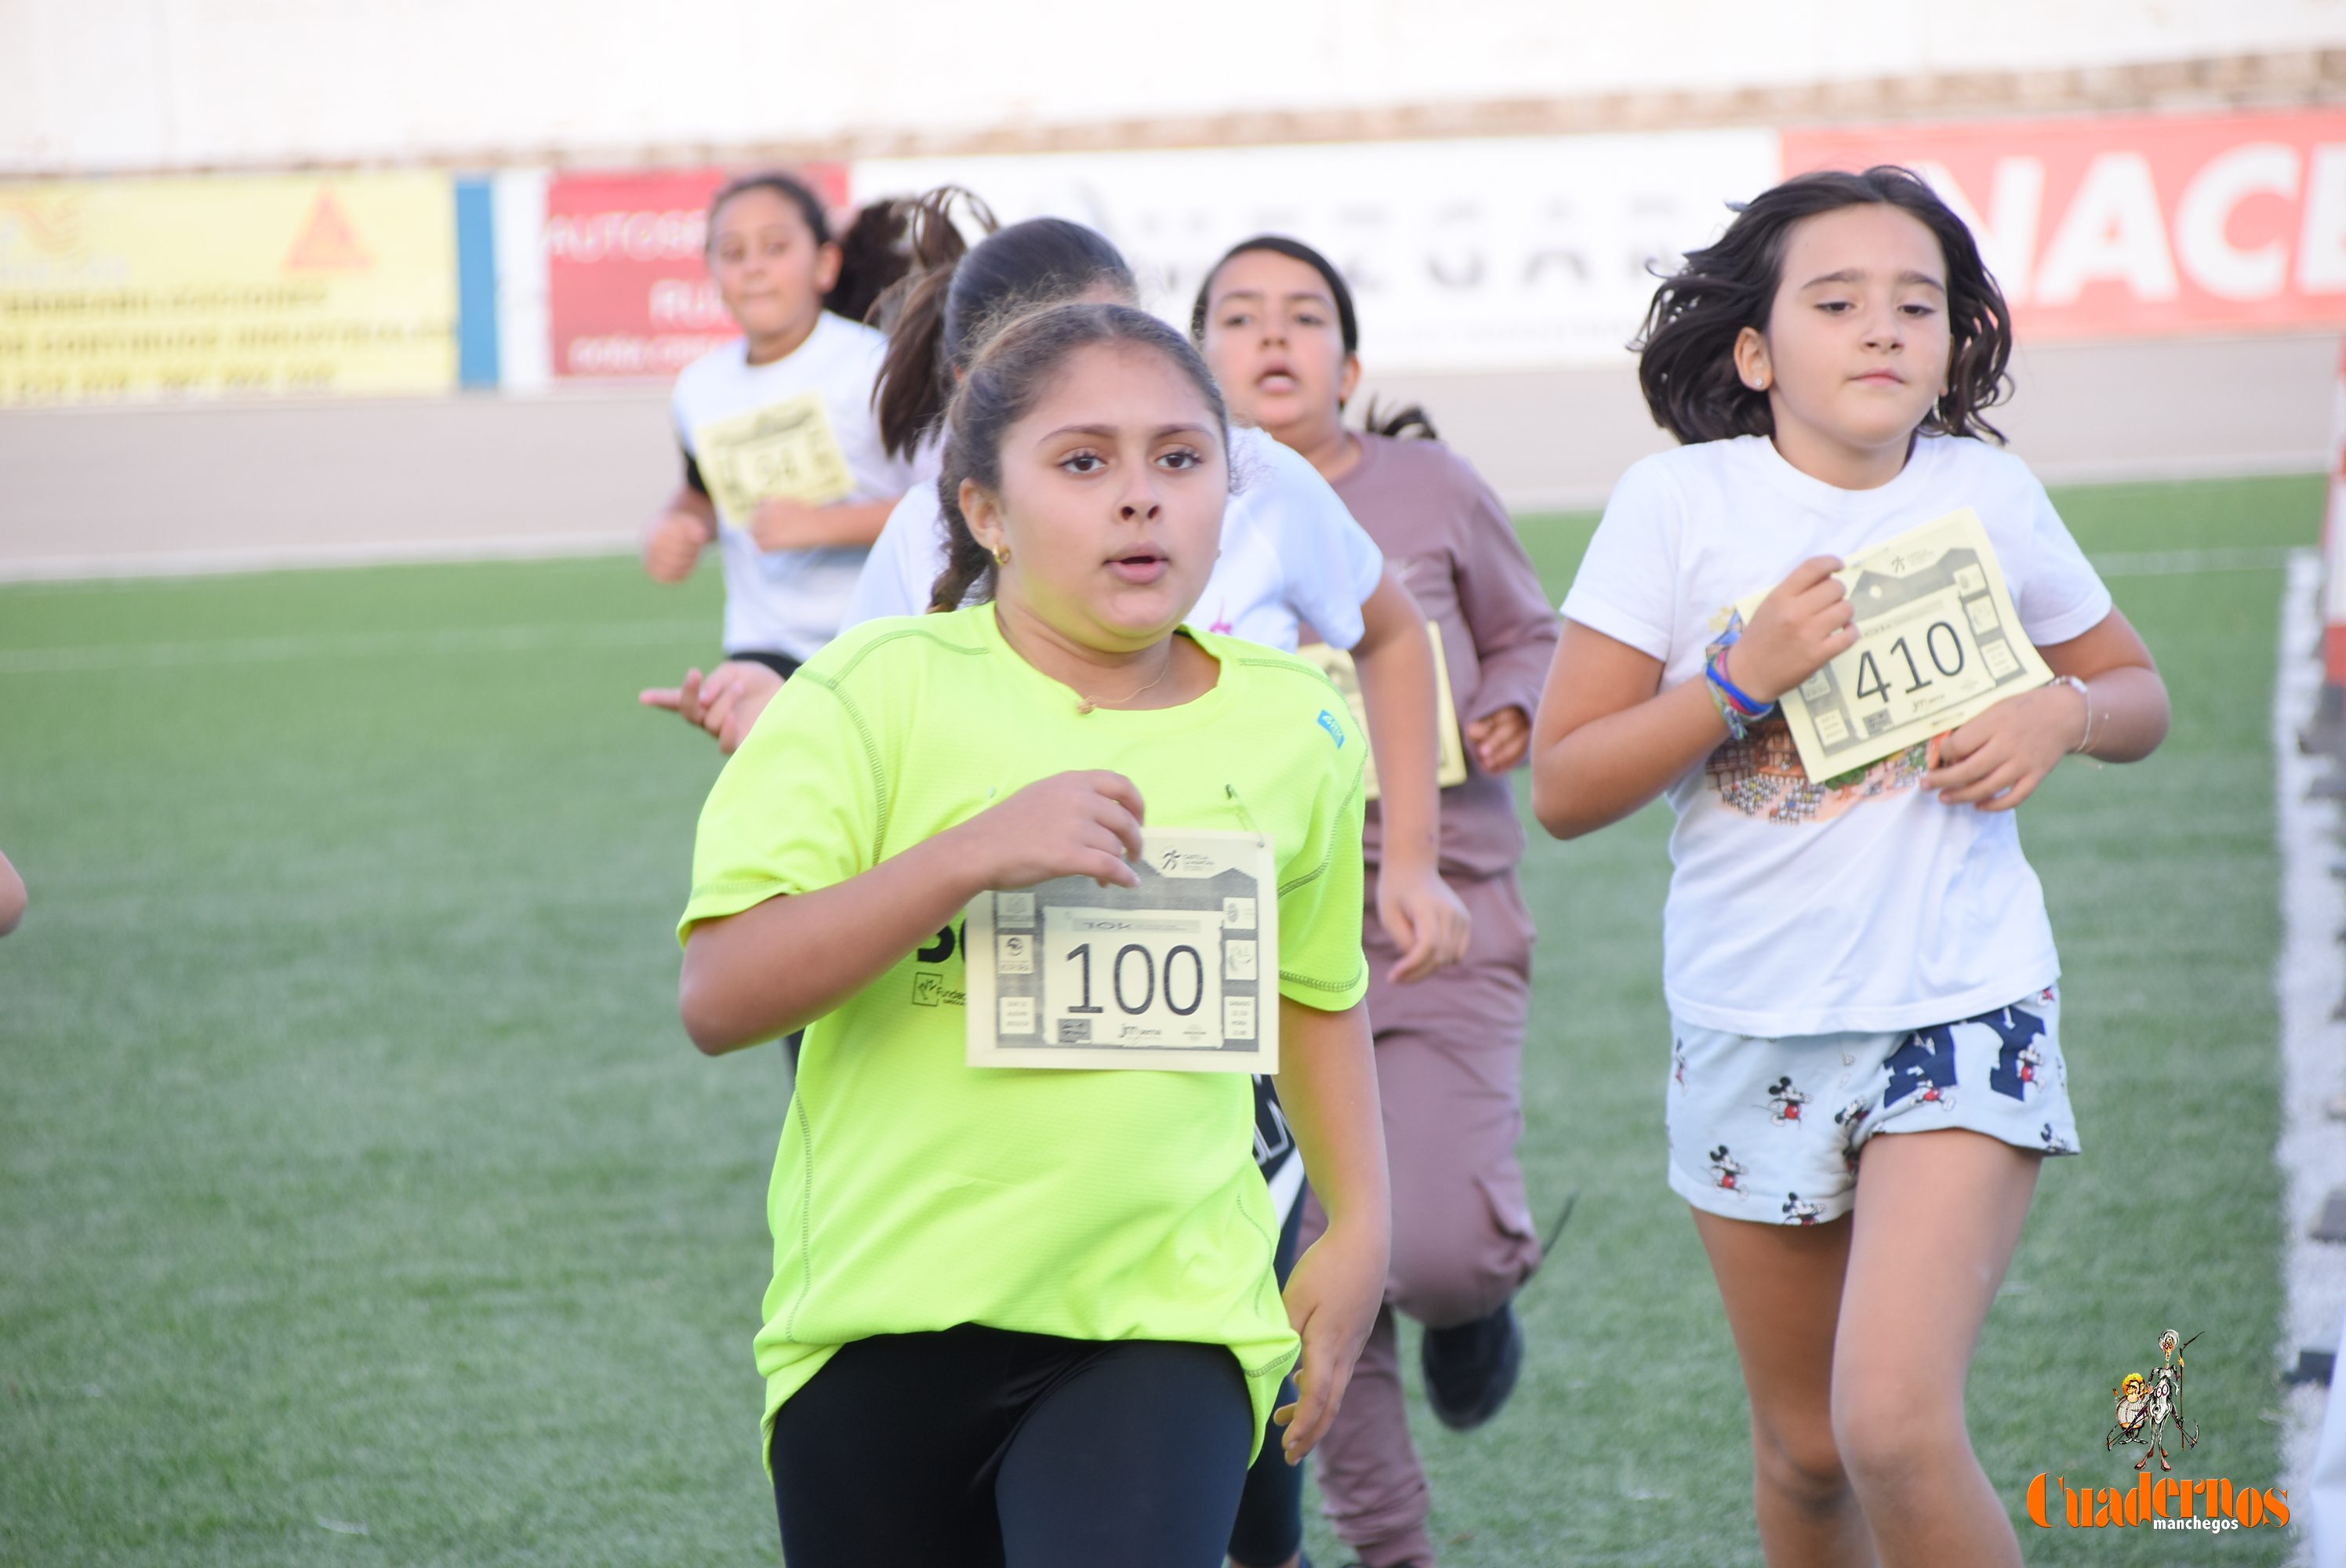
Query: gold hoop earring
1002 554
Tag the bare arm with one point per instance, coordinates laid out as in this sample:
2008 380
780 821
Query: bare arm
726 703
1396 661
2130 710
673 543
1608 738
1328 1087
781 964
12 897
1998 760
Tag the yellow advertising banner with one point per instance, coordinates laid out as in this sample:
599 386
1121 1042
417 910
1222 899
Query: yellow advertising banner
204 287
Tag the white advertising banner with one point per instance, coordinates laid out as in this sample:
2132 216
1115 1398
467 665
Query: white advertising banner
1462 255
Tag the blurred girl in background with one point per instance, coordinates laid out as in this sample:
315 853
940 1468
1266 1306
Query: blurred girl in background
785 470
1277 323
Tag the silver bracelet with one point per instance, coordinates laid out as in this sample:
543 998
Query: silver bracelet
2086 741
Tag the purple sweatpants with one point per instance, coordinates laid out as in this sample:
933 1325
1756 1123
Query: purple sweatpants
1449 1052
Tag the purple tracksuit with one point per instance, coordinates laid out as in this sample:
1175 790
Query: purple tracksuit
1449 1049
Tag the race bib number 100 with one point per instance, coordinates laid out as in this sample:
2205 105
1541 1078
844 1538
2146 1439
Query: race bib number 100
1179 974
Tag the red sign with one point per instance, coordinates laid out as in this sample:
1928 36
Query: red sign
2143 225
627 286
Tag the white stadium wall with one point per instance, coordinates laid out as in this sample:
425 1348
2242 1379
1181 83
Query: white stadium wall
99 86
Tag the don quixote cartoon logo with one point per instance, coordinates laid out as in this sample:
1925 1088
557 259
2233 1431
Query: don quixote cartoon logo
2148 1414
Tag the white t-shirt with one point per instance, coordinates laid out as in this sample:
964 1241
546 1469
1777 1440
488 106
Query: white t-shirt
790 601
1797 908
1291 553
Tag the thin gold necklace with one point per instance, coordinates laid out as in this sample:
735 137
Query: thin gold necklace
1088 703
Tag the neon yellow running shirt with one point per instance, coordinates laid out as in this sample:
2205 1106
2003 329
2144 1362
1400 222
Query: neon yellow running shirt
911 1193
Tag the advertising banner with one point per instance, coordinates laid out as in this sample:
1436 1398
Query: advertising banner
2137 225
1472 254
627 291
206 287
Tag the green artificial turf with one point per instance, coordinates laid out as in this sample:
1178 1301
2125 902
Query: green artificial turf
355 1176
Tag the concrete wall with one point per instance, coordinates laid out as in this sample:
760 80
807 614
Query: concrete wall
227 486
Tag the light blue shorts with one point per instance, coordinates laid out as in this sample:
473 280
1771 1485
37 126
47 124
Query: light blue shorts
1770 1130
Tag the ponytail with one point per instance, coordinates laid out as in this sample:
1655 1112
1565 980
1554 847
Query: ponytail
872 254
967 563
914 379
1407 421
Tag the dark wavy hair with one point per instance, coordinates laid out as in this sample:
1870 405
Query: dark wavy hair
1399 421
1009 376
1687 348
958 294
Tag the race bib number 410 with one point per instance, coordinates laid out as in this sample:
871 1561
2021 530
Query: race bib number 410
1179 974
1938 643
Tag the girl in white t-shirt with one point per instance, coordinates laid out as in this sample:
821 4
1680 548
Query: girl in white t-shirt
1863 954
793 393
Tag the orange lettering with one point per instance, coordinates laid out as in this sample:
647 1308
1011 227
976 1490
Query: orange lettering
2277 1505
2036 1502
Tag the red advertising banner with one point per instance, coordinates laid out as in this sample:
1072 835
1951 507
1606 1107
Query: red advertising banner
627 291
2141 225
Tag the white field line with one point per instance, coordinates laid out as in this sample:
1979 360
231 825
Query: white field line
75 660
2310 979
2176 563
171 564
347 645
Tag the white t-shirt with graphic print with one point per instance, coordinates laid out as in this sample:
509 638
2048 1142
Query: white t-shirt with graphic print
790 601
1291 553
1795 908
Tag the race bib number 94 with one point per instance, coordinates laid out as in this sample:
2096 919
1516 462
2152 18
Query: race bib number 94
1180 974
786 450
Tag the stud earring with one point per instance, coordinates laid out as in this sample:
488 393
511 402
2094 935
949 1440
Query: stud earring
1002 554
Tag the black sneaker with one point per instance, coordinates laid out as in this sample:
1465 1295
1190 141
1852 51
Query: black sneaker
1471 1369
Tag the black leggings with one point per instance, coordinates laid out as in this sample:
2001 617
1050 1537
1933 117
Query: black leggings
1269 1527
977 1448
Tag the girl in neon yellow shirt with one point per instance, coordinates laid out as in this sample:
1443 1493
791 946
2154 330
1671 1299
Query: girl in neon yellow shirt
1016 1317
